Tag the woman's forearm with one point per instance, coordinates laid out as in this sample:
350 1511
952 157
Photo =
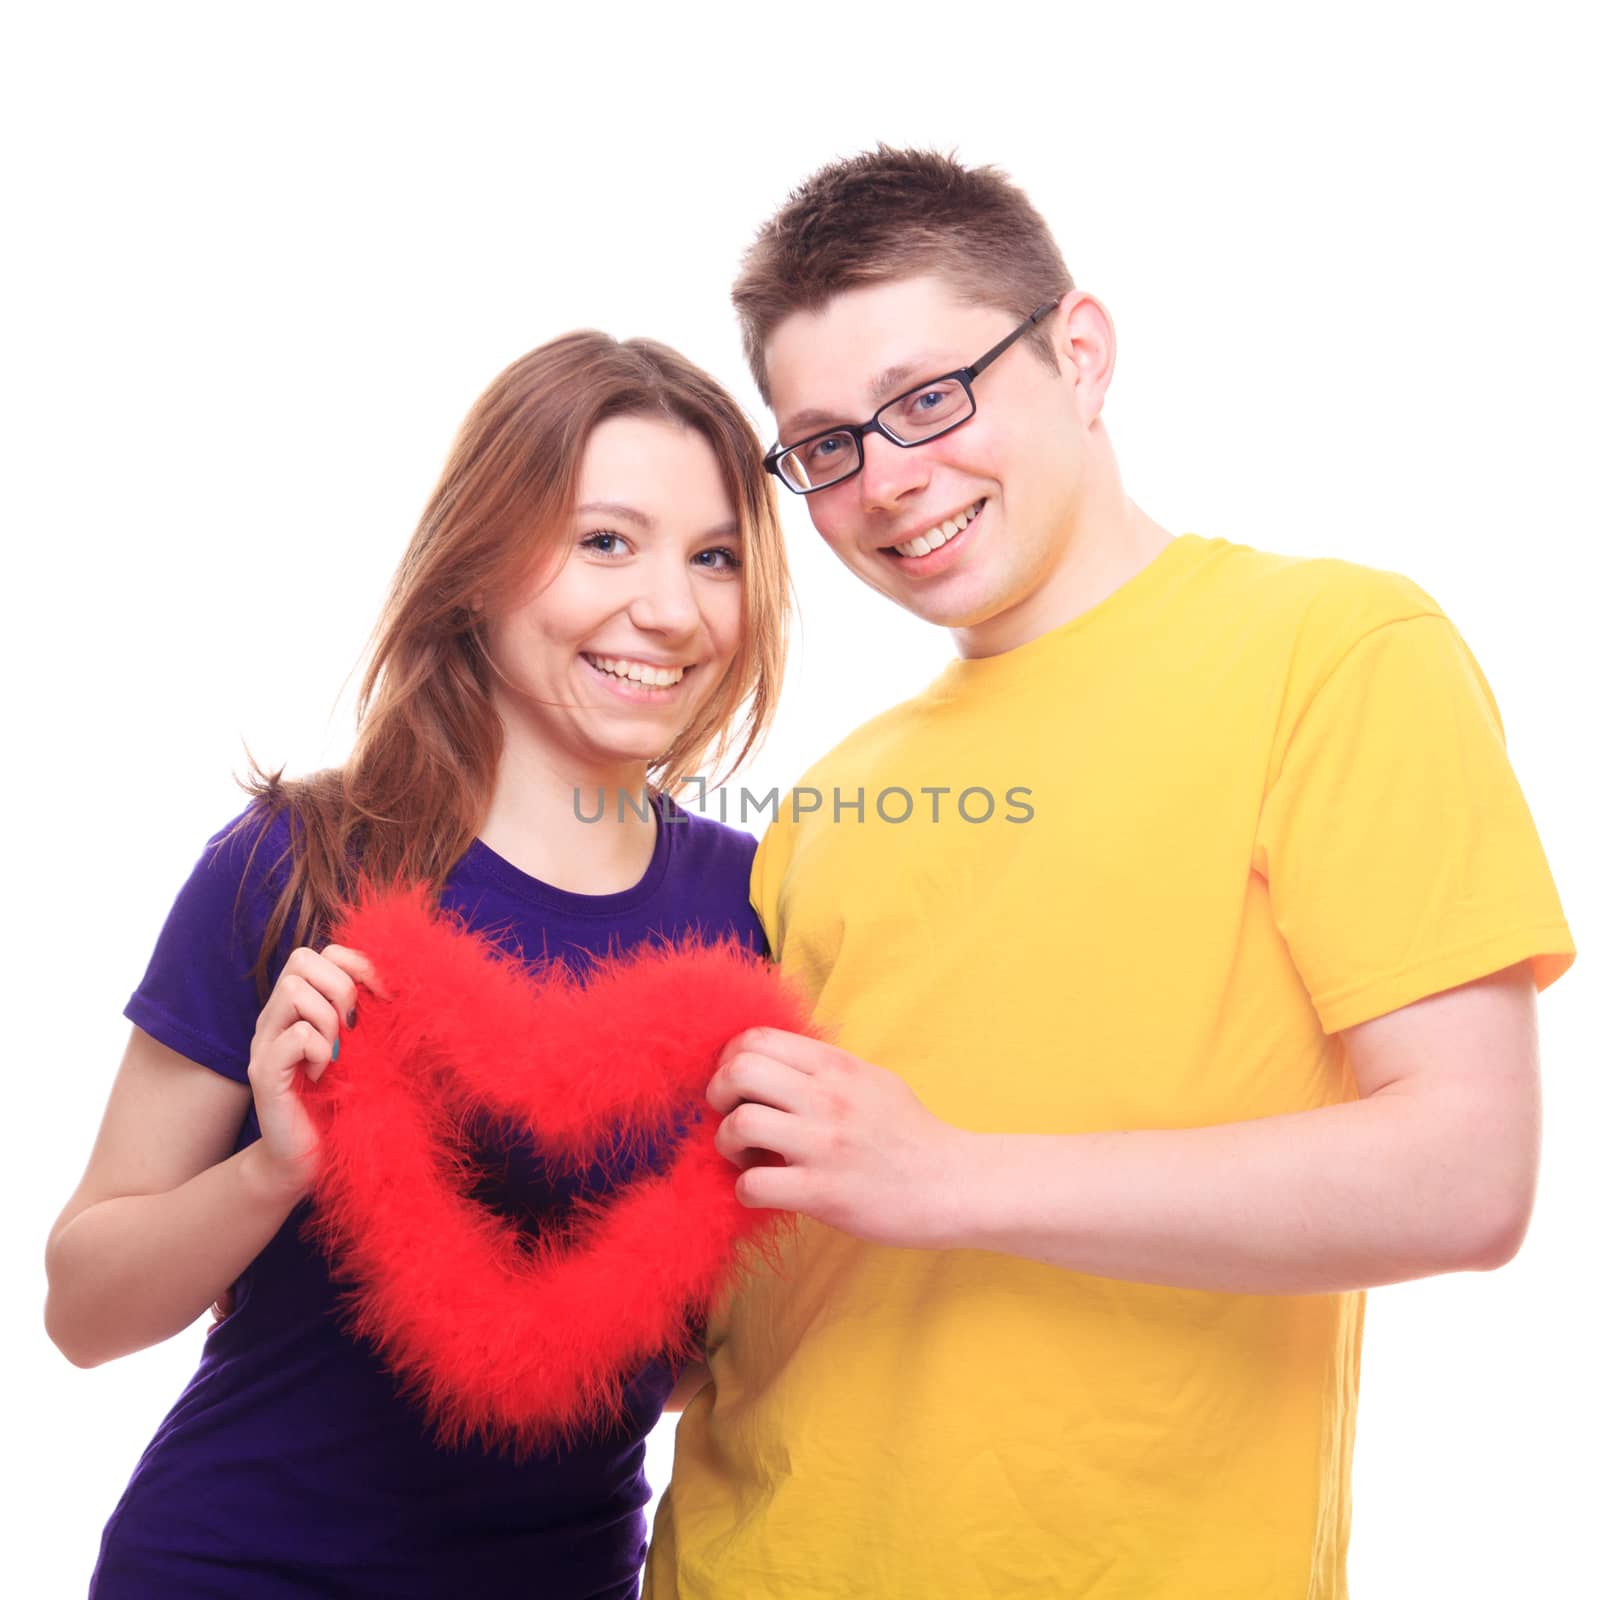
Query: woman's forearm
128 1272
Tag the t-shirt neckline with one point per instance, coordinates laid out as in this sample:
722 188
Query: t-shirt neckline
524 886
1155 575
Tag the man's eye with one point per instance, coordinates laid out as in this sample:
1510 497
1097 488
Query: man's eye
937 403
822 451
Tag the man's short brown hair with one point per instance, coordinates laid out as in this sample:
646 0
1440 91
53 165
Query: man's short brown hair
889 214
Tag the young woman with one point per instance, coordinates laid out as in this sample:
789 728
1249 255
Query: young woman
594 600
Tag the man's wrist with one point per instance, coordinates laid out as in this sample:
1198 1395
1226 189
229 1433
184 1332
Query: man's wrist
963 1205
1001 1191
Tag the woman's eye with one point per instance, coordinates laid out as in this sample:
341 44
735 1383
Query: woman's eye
604 543
721 559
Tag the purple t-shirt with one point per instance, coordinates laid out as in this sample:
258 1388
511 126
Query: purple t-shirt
290 1465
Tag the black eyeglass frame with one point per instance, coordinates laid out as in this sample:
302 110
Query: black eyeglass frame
859 431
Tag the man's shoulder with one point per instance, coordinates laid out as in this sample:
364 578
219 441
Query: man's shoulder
1315 607
1318 599
1302 623
870 744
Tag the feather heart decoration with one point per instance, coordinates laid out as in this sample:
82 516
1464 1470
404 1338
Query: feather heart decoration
524 1342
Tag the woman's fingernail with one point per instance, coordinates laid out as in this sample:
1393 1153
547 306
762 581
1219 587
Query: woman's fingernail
350 1017
335 1049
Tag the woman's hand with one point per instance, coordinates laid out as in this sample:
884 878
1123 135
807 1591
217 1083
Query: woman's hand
222 1308
298 1031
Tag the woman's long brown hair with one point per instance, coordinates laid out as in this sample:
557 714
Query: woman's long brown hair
416 789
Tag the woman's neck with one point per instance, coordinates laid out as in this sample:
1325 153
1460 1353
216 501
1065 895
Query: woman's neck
574 826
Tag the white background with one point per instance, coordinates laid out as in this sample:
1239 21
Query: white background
262 259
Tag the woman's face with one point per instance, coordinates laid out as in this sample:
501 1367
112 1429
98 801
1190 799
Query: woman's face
604 663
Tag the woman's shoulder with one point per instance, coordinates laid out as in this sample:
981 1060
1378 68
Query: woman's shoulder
199 995
239 874
252 847
234 889
709 875
704 842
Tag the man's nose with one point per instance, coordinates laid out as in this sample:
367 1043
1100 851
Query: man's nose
889 472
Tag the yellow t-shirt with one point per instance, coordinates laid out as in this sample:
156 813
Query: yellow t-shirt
1266 799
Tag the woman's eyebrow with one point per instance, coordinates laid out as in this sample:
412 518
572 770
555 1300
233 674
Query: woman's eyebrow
614 508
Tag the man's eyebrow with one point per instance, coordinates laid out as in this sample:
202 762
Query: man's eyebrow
893 379
888 383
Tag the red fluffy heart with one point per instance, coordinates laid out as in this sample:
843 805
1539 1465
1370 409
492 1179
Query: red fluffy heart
515 1341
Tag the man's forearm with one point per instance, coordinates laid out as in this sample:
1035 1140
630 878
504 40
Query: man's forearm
1432 1169
1396 1186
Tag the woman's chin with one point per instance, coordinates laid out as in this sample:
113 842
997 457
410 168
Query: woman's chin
614 749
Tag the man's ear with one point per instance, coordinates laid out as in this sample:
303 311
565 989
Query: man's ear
1085 344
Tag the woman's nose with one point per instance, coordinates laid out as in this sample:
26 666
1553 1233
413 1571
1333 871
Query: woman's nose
665 601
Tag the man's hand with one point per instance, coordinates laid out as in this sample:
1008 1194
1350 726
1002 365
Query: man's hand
823 1133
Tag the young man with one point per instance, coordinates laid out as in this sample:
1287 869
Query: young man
1180 943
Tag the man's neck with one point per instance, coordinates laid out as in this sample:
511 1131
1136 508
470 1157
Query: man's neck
1108 544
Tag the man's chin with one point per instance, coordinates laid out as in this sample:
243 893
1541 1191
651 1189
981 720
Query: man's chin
949 610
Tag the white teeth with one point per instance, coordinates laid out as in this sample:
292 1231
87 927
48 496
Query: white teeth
638 671
924 543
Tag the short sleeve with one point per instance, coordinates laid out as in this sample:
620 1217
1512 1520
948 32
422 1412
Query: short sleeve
198 996
1397 847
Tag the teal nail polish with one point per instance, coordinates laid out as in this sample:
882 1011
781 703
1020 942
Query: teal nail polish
335 1049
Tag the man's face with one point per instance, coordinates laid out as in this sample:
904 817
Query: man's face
1015 469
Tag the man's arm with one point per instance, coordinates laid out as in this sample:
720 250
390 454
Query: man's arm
1431 1170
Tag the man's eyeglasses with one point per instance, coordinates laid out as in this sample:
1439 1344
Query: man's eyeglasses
908 420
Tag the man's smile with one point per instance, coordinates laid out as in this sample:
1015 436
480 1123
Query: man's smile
917 551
